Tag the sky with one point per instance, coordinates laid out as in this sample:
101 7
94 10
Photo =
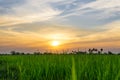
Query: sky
30 25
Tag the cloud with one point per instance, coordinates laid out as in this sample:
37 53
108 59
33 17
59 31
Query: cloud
28 12
30 25
34 37
102 4
42 16
100 9
108 36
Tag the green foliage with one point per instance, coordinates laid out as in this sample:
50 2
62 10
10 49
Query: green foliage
60 67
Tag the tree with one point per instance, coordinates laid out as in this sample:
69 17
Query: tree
37 53
101 50
118 53
109 52
95 50
13 52
17 53
22 53
90 51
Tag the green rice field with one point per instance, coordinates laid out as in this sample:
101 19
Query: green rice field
59 67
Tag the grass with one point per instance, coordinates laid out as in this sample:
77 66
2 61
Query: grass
60 67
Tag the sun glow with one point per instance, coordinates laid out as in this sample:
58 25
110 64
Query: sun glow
55 43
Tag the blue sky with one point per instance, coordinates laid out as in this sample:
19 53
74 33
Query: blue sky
80 21
75 12
83 11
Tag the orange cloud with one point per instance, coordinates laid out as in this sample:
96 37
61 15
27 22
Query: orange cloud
68 36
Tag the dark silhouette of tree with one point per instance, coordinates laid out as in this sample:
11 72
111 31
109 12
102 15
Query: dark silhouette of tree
90 51
95 50
22 53
101 50
47 53
109 52
13 52
81 52
118 53
73 52
17 53
36 53
27 53
105 53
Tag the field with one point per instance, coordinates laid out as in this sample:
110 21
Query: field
59 67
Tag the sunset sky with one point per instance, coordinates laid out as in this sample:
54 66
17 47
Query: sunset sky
30 25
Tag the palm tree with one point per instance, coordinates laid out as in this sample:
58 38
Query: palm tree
101 50
94 50
90 51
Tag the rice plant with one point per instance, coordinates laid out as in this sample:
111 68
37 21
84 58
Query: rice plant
60 67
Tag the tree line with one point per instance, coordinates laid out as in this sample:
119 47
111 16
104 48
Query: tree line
92 51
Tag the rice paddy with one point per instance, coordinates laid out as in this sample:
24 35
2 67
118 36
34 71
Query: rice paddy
60 67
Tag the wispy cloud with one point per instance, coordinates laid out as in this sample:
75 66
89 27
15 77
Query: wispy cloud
109 37
69 36
28 12
34 23
98 8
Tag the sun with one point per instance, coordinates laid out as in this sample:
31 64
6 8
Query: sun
55 43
